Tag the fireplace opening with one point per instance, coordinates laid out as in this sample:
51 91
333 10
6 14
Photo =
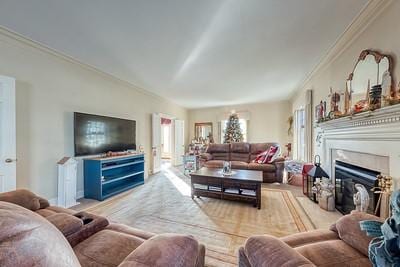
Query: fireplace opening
346 176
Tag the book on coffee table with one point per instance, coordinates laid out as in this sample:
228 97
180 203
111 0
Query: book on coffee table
200 186
214 188
248 192
231 190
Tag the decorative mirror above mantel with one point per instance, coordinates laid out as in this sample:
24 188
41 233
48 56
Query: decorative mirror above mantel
203 130
371 77
370 86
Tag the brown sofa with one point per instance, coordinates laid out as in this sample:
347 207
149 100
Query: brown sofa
33 233
241 155
343 245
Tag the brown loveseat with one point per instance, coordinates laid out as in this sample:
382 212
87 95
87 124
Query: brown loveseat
33 233
343 245
241 155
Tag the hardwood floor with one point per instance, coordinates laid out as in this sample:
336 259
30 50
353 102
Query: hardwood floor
163 204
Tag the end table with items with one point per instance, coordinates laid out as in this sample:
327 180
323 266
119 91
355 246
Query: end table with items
191 163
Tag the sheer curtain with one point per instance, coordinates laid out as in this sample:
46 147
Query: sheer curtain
303 131
299 136
308 131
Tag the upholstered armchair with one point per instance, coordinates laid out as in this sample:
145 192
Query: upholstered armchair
344 244
34 233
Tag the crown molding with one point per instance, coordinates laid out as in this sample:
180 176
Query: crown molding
358 25
50 51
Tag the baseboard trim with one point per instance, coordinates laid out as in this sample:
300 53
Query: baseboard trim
80 194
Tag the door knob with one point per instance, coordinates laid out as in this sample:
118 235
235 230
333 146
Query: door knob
10 160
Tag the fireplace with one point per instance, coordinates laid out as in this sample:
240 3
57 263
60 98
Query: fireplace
369 139
346 176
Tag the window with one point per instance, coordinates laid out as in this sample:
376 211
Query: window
243 127
300 138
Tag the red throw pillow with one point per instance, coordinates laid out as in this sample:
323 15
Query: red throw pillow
272 154
261 157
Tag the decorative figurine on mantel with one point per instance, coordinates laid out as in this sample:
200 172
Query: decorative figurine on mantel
395 99
384 249
363 104
335 101
375 97
347 100
319 112
386 86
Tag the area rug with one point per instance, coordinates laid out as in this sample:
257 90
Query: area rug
164 204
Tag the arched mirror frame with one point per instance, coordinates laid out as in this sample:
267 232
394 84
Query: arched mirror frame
378 57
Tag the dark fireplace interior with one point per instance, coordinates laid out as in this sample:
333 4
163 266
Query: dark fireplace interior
346 176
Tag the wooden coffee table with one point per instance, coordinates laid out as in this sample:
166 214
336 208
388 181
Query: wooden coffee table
241 185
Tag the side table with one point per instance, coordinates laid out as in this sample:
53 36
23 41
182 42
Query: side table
191 163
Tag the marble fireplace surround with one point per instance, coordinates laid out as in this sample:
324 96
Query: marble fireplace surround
369 139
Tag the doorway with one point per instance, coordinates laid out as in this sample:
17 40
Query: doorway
166 142
8 164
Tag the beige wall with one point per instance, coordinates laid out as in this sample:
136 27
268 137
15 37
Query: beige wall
381 33
49 89
268 121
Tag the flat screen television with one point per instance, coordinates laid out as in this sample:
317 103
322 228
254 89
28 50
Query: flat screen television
94 134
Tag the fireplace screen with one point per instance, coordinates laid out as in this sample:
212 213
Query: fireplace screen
346 176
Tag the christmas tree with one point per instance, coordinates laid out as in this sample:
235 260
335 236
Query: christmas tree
233 133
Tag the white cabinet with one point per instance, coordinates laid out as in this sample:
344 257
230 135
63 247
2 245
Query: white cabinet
67 176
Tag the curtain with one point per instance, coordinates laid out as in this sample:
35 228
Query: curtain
303 130
299 140
308 127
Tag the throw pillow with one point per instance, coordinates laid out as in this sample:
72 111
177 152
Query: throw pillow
348 228
164 250
261 157
273 153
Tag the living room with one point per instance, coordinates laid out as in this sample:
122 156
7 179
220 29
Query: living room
212 133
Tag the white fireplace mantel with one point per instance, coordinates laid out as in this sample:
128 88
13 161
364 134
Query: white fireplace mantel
379 124
374 136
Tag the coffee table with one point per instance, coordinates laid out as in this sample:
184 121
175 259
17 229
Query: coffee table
241 185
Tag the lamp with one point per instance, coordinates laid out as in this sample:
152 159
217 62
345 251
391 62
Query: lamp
312 175
317 171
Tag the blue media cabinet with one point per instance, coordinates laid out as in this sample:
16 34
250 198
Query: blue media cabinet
106 177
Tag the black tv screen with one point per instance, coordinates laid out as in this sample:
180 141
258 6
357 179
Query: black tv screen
94 134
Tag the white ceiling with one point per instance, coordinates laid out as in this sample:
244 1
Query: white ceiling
197 53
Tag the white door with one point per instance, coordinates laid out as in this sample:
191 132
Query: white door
156 142
8 165
179 142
